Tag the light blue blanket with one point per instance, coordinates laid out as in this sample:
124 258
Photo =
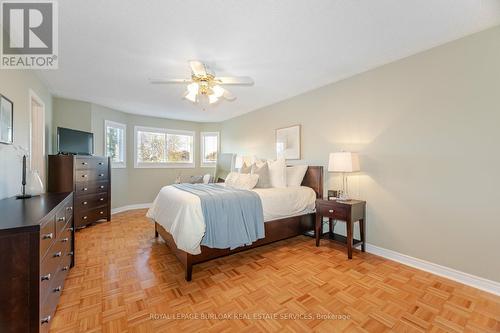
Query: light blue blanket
233 217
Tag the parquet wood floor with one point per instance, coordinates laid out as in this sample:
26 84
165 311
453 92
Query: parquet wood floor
127 281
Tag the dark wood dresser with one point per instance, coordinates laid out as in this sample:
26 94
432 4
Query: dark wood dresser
36 253
89 178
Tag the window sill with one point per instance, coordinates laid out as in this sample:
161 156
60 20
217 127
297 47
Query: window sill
164 166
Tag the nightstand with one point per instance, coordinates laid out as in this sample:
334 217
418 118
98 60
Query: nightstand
347 211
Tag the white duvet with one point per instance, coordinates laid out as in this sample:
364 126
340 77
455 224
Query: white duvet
179 212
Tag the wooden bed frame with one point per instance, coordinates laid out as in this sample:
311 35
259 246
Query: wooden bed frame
275 230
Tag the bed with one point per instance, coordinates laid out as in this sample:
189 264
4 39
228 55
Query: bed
292 217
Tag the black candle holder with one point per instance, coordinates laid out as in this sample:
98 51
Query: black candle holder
23 195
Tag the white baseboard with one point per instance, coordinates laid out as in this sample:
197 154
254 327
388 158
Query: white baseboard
130 207
450 273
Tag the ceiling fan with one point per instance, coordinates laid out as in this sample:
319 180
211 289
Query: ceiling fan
204 86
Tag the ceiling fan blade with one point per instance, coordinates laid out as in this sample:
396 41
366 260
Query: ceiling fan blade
198 68
168 81
227 95
235 80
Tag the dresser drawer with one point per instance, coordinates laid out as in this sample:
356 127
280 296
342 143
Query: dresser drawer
48 268
90 187
91 201
91 162
47 235
48 307
82 176
335 212
83 218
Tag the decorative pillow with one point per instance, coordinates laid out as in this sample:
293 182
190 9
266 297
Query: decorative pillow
246 168
244 181
277 172
295 174
262 170
231 178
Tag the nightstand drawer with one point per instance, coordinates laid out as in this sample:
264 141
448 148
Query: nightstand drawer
336 212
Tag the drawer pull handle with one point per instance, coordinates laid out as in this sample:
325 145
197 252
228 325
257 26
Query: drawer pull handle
84 176
330 211
84 163
64 240
61 219
85 189
101 187
101 212
101 199
70 253
45 277
85 217
84 203
47 236
65 268
45 320
101 175
57 289
57 254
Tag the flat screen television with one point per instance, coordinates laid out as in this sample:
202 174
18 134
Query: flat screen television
70 141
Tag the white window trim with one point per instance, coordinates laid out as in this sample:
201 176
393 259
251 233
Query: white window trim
202 148
167 165
116 165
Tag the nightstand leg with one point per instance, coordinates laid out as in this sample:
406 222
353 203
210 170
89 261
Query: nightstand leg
349 239
318 227
331 227
362 231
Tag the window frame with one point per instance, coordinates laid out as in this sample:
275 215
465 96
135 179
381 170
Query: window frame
110 123
163 165
202 149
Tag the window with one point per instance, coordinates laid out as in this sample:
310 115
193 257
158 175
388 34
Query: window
209 148
163 148
114 146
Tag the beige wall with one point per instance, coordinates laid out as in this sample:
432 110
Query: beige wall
16 86
427 129
129 185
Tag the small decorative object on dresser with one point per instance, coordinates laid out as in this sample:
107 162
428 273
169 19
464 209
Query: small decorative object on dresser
344 162
347 211
288 143
89 177
36 253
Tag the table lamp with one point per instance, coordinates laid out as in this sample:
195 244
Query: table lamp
344 162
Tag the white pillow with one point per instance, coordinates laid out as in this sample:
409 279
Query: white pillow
277 172
295 174
243 181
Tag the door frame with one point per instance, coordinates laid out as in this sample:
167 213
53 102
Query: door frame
34 97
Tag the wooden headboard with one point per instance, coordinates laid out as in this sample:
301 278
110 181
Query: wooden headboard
314 180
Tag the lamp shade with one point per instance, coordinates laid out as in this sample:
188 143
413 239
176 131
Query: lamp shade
343 162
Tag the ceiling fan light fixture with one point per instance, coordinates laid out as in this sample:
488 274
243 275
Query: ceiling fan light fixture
191 96
193 88
218 91
213 99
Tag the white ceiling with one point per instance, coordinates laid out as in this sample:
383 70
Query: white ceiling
109 49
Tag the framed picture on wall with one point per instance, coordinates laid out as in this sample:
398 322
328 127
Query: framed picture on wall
288 142
6 120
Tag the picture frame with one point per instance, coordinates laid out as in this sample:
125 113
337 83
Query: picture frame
6 120
288 142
